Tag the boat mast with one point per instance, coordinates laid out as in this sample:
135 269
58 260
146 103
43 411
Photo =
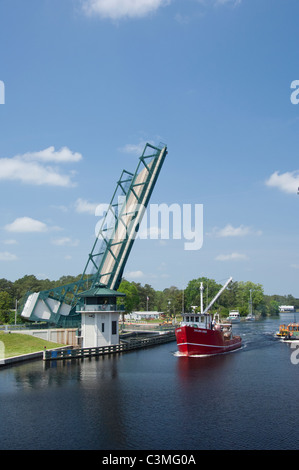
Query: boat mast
201 297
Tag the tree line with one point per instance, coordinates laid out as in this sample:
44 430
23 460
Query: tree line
172 301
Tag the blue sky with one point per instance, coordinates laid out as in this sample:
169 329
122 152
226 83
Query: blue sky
88 82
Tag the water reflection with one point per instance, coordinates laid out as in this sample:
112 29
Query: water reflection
153 399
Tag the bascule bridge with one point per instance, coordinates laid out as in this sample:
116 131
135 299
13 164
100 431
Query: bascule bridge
93 302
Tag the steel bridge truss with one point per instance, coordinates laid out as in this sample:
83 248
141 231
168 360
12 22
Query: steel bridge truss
121 222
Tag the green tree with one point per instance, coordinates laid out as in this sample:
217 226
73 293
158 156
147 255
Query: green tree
8 287
243 297
25 284
5 306
192 292
172 301
273 307
160 303
131 300
147 296
229 296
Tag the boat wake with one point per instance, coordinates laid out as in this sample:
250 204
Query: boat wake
179 354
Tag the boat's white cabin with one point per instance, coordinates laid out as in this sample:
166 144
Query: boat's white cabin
234 314
196 320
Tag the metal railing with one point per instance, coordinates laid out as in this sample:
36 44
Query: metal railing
103 308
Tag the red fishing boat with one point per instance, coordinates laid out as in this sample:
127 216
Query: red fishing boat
204 334
199 334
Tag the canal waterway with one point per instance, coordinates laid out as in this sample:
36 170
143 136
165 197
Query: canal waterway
152 399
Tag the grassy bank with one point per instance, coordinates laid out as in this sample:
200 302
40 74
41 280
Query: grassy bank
16 344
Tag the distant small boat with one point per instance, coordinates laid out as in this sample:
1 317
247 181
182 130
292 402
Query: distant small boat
290 331
234 316
250 316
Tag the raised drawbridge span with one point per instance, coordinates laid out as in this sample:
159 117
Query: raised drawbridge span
117 231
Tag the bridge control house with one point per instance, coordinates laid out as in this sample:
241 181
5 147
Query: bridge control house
99 316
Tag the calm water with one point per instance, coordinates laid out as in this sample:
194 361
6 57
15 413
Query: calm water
153 400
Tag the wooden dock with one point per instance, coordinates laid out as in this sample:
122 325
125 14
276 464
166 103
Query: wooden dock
125 345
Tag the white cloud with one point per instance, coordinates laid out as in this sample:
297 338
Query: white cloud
231 257
30 167
228 2
6 256
287 182
117 9
65 241
230 231
10 242
134 275
220 2
152 233
61 208
182 19
26 225
64 155
135 149
83 206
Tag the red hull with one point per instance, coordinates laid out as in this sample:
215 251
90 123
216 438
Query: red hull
193 341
